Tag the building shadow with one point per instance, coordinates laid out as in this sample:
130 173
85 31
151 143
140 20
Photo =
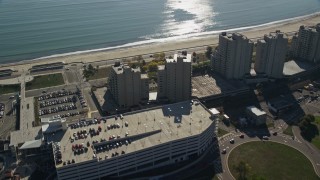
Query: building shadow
177 111
235 108
281 102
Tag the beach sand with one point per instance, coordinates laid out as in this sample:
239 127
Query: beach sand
288 26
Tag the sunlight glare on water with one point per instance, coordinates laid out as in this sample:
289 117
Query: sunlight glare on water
185 17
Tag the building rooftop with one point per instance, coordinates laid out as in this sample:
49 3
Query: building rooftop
135 131
233 36
203 86
27 132
161 67
214 111
31 144
144 76
256 111
276 34
294 67
120 68
19 137
186 58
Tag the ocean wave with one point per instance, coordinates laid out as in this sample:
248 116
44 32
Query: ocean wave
184 37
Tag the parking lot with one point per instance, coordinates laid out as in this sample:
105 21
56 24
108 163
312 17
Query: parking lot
308 99
61 104
212 85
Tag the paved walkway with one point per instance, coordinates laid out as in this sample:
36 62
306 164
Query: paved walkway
16 80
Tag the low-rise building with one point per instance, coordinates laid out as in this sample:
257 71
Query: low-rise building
279 106
256 116
135 142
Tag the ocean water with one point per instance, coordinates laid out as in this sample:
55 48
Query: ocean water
36 28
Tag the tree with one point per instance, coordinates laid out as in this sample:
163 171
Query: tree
305 122
90 67
143 62
209 52
194 54
152 66
144 69
162 56
309 118
243 170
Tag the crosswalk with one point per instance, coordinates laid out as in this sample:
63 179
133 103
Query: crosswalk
289 138
226 138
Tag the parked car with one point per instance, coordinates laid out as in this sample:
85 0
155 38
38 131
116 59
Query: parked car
224 151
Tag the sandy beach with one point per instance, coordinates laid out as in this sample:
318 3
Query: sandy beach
288 26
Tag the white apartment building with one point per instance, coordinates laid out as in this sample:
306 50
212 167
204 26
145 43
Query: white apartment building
174 78
136 142
306 45
127 85
233 57
270 54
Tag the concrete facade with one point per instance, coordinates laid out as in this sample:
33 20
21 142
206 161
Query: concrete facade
127 85
306 45
270 54
174 78
233 57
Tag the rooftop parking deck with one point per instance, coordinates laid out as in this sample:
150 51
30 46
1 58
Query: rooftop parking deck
203 86
108 137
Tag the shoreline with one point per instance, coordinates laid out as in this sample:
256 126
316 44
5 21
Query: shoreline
167 44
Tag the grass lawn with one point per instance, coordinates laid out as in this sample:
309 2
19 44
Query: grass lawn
45 81
222 132
101 73
36 114
5 89
271 161
288 131
317 121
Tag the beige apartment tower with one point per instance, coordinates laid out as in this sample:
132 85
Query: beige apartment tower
233 57
270 54
306 45
174 78
127 85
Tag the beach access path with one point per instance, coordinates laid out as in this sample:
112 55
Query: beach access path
91 57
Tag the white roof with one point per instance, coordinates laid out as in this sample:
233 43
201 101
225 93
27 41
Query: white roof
51 120
31 144
153 96
186 58
256 111
226 116
214 111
